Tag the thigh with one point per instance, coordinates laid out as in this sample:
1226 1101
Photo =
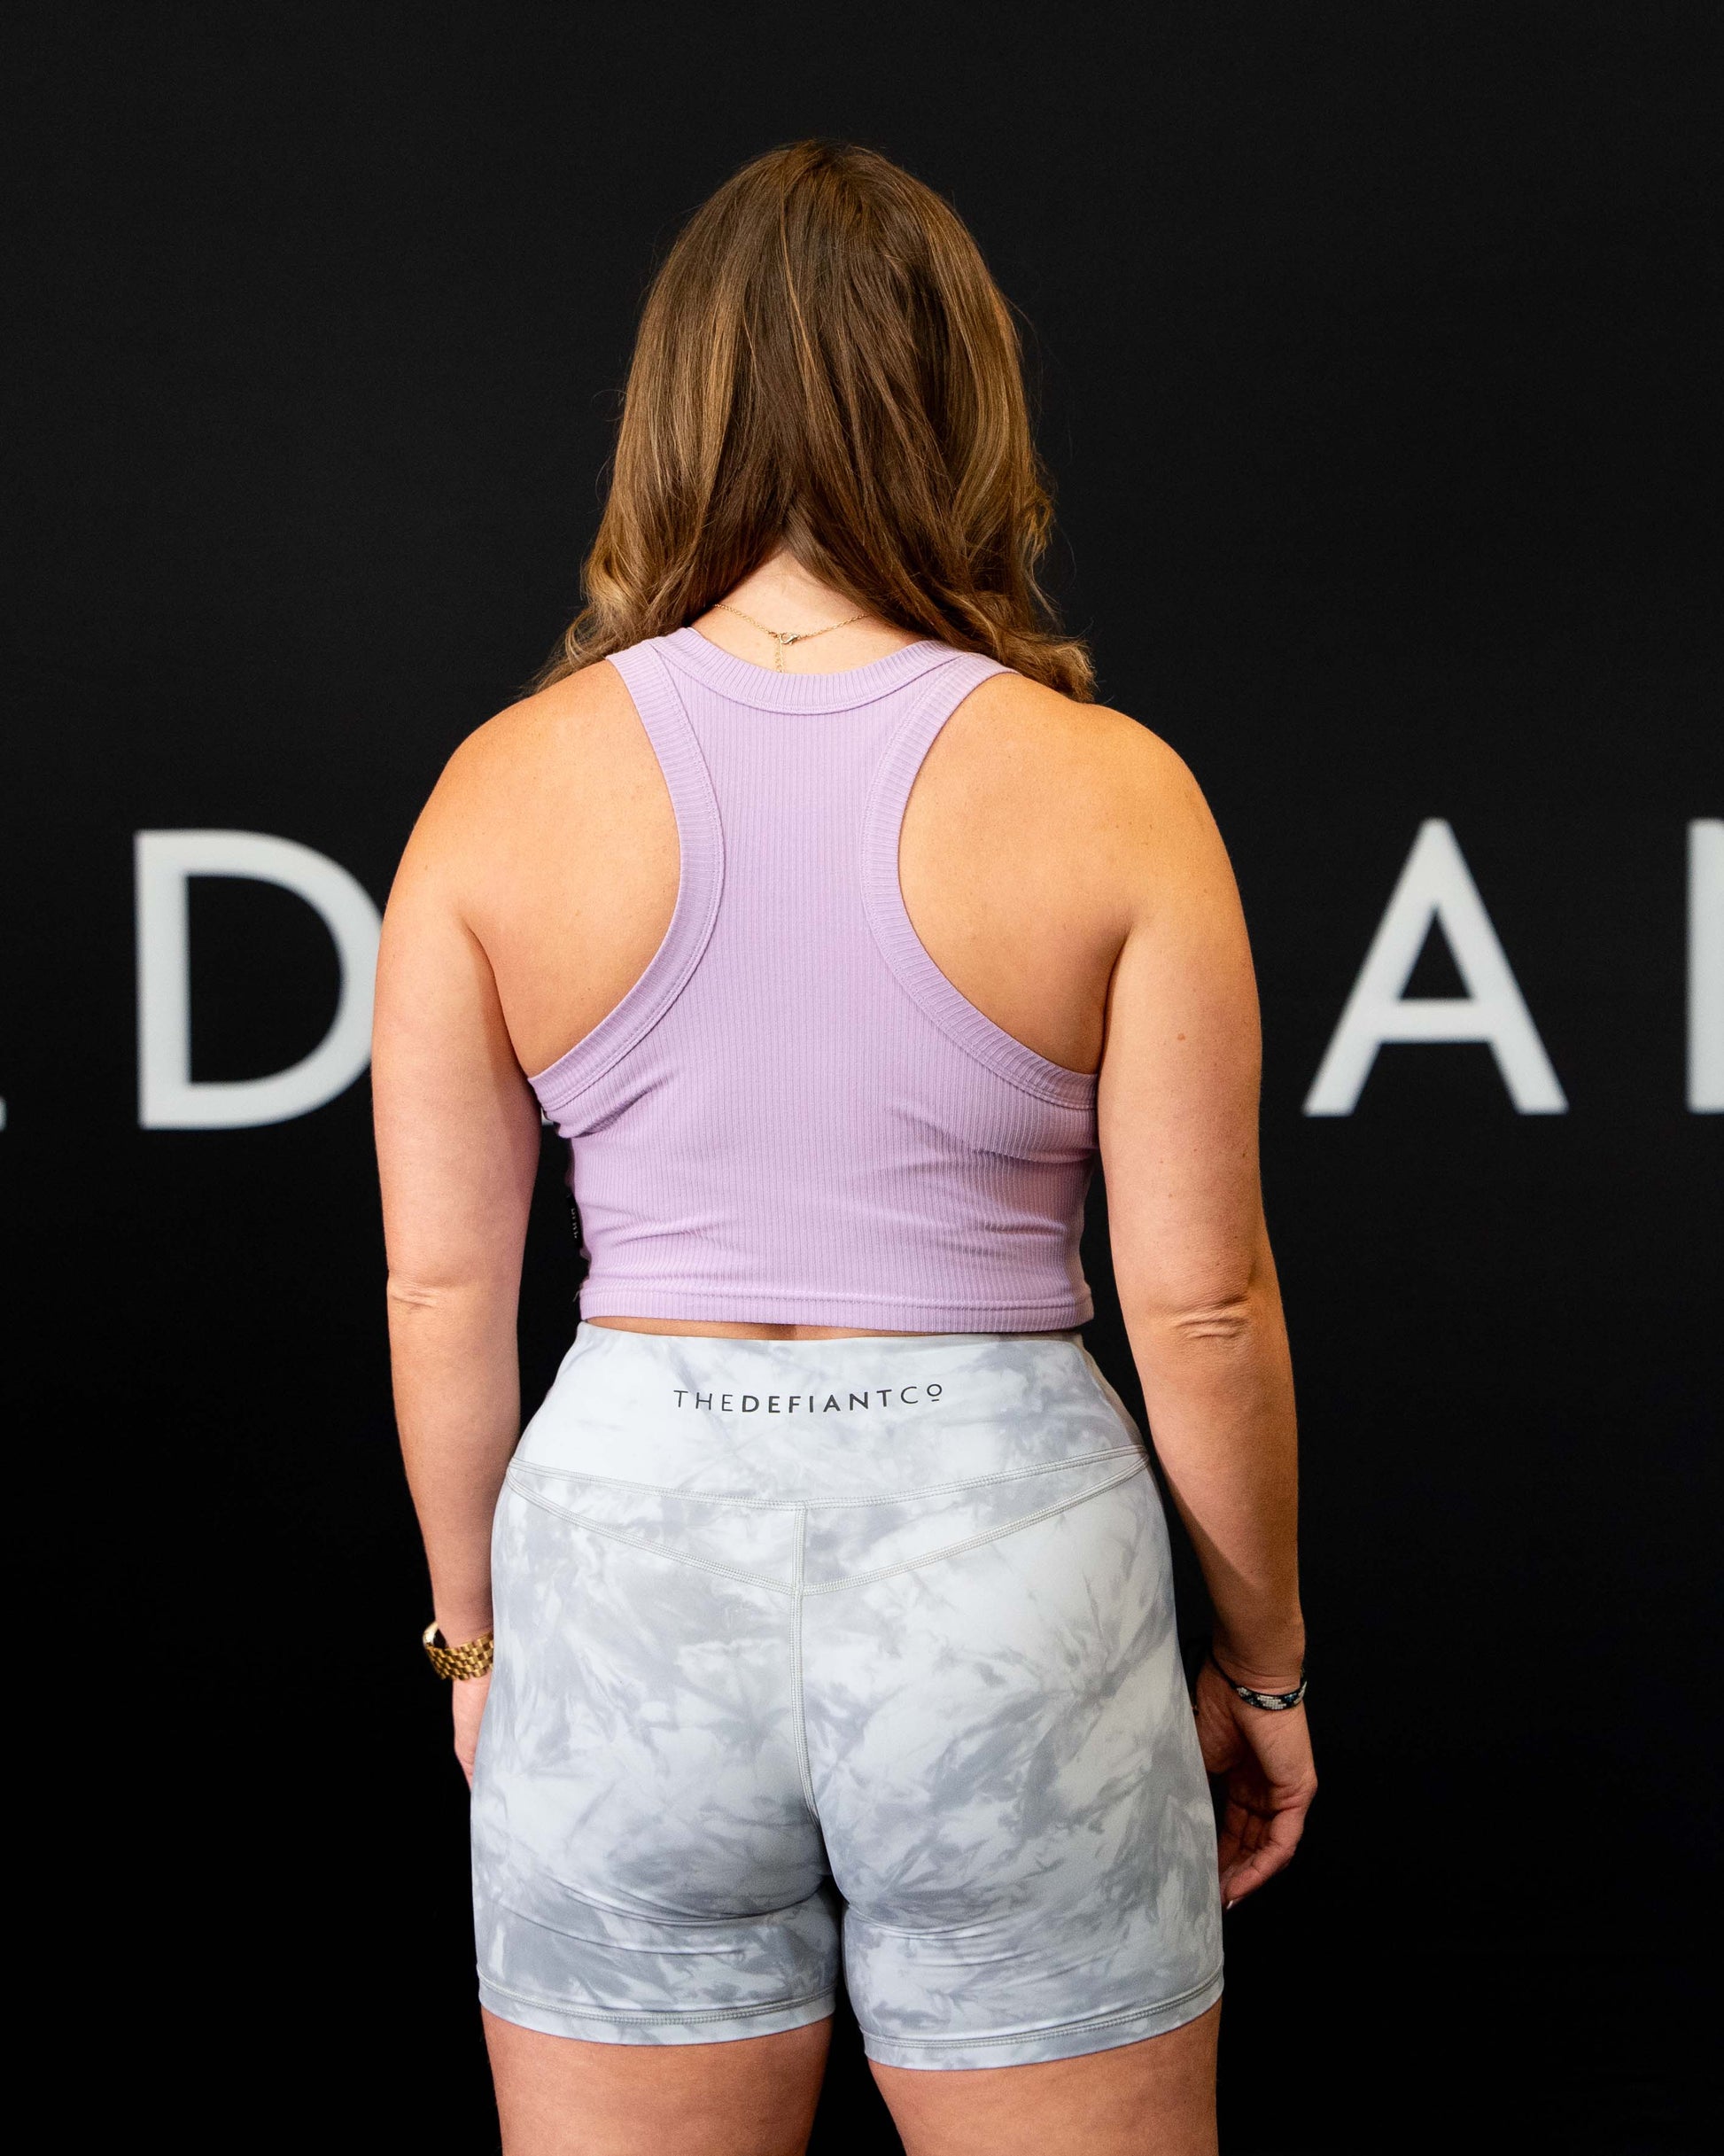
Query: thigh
559 2096
1156 2098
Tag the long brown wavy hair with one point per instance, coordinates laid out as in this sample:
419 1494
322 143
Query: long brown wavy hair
825 363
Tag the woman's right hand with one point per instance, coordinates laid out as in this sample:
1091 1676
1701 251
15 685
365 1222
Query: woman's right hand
1263 1757
470 1694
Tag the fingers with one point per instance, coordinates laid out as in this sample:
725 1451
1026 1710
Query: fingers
1255 1845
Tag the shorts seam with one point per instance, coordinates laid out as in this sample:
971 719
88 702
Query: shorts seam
797 1589
622 1916
1042 2035
890 1497
798 1704
977 1542
640 2018
647 1549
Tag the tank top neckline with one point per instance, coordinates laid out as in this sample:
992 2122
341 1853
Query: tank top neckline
702 870
766 689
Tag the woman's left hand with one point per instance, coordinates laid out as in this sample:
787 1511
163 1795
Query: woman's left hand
1264 1759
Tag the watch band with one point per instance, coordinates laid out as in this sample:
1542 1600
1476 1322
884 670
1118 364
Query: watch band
1271 1702
472 1660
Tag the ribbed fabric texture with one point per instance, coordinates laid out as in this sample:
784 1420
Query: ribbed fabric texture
793 1116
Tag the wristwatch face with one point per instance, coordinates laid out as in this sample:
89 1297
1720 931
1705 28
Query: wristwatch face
472 1660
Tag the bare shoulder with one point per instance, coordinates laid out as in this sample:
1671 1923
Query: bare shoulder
550 739
1089 777
532 782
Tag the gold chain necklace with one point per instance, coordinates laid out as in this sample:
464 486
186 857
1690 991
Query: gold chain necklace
780 637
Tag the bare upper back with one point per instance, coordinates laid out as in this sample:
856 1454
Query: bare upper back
1029 848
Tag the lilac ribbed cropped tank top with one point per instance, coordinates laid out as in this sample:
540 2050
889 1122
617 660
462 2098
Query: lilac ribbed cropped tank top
793 1116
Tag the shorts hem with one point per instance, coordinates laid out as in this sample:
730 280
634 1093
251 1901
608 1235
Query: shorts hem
1036 2046
626 2024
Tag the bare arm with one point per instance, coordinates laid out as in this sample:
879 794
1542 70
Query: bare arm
1177 1108
457 1148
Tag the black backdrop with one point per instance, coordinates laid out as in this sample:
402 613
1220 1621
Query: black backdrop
1373 354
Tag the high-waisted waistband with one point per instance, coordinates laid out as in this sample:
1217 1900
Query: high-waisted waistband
816 1421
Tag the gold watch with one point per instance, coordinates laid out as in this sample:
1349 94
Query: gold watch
473 1659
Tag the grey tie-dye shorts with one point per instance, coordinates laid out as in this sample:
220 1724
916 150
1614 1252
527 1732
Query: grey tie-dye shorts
847 1646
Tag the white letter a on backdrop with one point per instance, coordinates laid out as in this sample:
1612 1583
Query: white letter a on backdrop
1436 885
169 1098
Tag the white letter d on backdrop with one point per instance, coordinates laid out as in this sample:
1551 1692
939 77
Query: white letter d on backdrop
1436 885
167 1097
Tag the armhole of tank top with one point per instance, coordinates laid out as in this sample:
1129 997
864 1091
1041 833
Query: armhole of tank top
700 883
889 917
